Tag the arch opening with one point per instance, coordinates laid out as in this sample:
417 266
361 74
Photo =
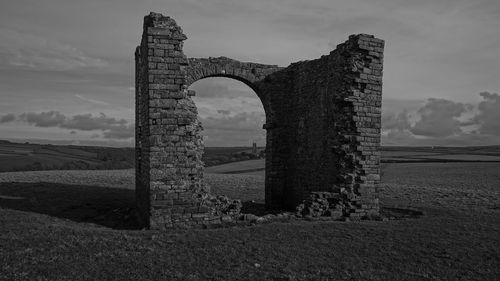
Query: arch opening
231 78
232 116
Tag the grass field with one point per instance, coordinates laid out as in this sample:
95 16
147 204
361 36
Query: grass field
489 154
33 157
76 225
240 167
389 155
440 154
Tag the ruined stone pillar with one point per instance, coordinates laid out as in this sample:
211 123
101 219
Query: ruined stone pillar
170 167
361 146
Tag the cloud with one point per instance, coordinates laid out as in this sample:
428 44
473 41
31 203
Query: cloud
219 87
444 122
396 122
91 100
439 118
112 128
224 112
396 128
7 118
230 112
222 129
91 142
44 119
436 122
395 106
488 116
120 132
88 122
397 137
237 130
36 52
242 121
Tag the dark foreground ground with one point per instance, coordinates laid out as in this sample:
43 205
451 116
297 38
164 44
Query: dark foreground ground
64 229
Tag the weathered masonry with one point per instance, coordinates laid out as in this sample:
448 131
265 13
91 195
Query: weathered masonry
322 122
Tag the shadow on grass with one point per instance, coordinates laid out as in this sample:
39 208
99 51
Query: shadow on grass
390 212
110 207
400 213
255 208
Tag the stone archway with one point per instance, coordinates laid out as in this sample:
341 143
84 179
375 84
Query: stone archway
251 74
322 122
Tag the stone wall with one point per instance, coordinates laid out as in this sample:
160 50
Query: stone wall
322 122
326 126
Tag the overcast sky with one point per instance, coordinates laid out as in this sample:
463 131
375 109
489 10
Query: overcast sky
67 71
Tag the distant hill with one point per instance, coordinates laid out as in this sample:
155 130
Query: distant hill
33 157
222 155
442 154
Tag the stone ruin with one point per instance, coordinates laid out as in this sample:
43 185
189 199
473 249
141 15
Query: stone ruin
323 122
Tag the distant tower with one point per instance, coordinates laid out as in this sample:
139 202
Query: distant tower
254 148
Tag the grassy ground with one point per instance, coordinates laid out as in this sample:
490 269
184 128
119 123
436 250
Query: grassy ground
69 231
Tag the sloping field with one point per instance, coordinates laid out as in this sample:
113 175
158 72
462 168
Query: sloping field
441 154
69 230
406 153
240 167
102 178
394 155
33 157
463 157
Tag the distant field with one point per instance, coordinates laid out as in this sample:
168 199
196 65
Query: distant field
240 167
405 152
461 157
213 156
34 157
389 155
440 154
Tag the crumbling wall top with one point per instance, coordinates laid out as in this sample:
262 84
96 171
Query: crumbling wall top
158 24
